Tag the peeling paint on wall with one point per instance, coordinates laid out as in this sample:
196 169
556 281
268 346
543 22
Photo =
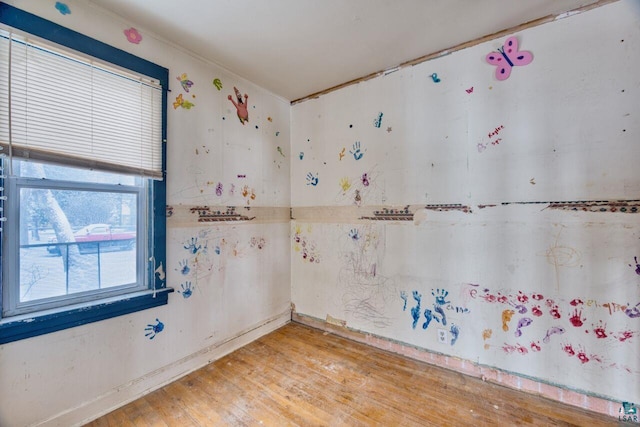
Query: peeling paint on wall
206 214
391 215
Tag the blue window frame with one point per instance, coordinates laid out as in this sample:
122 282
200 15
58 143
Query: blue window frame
150 214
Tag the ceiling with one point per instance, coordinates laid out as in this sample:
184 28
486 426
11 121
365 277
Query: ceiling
295 48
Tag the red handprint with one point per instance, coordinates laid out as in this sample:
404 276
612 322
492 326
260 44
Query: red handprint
576 319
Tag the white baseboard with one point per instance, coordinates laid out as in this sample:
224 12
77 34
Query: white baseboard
138 387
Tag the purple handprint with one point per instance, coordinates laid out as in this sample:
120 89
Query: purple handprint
633 312
635 259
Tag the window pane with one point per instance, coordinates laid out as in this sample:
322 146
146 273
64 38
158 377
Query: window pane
39 170
73 241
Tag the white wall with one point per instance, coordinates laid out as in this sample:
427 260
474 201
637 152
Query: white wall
568 132
239 277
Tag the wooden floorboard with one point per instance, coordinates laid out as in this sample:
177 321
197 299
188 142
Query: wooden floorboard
300 376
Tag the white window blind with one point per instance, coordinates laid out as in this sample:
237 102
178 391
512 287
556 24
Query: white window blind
59 106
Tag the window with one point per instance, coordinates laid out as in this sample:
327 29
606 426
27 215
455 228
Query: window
82 190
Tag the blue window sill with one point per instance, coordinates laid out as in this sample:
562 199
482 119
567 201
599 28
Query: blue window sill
21 327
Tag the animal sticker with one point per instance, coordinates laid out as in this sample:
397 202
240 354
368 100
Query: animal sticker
507 57
241 106
184 82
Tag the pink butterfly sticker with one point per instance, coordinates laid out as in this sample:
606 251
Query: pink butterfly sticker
507 57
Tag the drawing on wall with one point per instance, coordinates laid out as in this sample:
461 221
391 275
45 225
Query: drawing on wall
63 8
585 323
470 90
435 78
305 245
186 289
153 329
561 256
280 151
217 83
507 57
367 294
241 106
341 153
206 254
441 302
493 139
184 82
183 103
362 188
133 36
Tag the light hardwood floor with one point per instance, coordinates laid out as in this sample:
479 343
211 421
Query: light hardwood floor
301 376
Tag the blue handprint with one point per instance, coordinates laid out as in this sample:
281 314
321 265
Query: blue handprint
403 295
441 295
455 332
187 289
357 154
193 246
312 179
438 309
217 250
153 330
415 311
184 267
354 234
